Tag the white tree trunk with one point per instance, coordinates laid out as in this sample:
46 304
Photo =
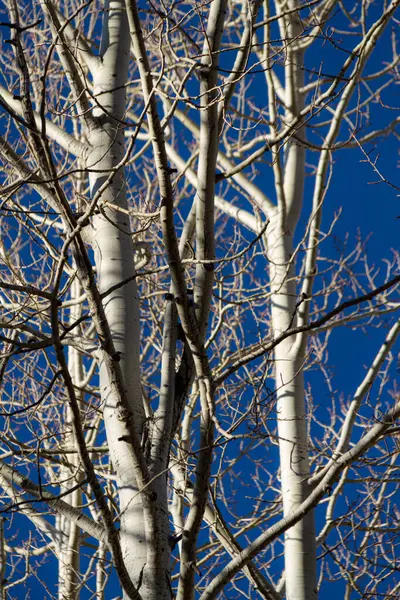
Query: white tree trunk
69 552
300 547
114 257
300 560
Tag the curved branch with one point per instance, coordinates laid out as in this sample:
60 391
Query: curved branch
235 565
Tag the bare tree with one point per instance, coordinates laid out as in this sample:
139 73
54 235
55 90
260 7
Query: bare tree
170 296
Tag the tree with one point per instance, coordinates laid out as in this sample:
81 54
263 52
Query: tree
169 299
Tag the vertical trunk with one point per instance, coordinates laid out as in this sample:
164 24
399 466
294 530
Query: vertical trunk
3 563
114 259
300 553
68 572
300 560
100 571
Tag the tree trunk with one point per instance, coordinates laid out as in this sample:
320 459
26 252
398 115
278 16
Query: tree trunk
289 356
300 559
114 258
69 553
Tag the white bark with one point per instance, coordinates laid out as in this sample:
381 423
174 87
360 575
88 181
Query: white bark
208 152
300 550
114 261
61 137
3 557
300 563
114 256
11 477
70 475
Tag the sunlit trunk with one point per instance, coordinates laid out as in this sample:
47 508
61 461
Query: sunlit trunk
300 569
300 553
70 476
114 258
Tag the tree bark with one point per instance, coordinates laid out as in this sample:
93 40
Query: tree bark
114 258
300 547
